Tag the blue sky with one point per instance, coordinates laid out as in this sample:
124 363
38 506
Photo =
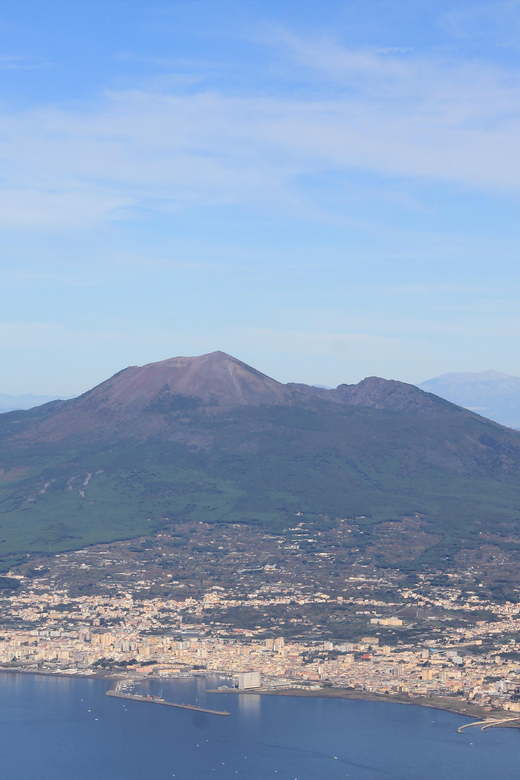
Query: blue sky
326 190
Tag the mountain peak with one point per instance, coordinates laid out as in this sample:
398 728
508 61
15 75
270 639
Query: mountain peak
378 393
185 439
135 400
216 379
144 401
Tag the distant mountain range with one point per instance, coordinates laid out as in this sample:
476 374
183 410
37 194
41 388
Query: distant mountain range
212 439
9 403
489 393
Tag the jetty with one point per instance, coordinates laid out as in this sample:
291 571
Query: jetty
487 724
150 699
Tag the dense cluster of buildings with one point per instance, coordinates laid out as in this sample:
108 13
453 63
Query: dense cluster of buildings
47 630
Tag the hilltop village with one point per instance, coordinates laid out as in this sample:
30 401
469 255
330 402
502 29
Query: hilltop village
445 645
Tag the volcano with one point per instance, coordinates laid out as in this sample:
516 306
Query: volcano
132 401
210 438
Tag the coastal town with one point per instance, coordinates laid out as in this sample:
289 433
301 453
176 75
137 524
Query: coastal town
437 646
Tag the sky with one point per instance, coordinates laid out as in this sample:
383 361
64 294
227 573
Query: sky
325 190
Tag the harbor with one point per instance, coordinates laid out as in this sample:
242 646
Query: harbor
116 692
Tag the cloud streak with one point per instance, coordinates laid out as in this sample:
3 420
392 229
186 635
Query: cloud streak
387 114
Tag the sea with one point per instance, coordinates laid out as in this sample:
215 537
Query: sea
59 728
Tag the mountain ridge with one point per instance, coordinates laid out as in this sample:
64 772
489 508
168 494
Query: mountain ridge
214 383
137 452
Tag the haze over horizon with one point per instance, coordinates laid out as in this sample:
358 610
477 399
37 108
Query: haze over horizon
328 192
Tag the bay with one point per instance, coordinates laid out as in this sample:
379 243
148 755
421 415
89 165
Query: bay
57 728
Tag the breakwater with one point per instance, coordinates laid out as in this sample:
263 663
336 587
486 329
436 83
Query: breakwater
490 723
117 693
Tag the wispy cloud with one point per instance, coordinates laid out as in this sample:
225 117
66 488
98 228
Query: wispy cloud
395 116
19 62
66 206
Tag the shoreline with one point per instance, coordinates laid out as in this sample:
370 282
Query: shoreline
437 703
69 675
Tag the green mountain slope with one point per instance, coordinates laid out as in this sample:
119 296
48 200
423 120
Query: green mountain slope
135 454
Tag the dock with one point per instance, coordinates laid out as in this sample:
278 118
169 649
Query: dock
157 700
488 723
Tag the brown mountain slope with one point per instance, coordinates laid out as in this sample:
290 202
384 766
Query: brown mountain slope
154 399
379 393
217 379
134 401
151 400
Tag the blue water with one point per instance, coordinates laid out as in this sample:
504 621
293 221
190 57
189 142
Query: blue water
67 729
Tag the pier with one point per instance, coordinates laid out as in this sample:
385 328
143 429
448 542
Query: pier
486 724
157 700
